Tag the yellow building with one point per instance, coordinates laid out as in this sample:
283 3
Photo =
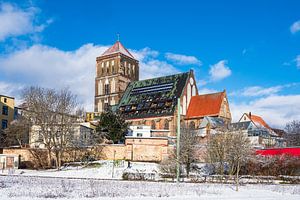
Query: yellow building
7 105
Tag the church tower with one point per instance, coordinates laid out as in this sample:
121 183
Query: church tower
115 68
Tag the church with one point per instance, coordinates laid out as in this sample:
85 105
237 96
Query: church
152 102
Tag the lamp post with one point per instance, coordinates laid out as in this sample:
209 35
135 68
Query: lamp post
178 141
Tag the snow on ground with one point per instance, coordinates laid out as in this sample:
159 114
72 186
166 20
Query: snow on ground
41 188
103 171
84 183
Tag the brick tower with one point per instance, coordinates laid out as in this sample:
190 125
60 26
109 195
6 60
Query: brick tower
115 68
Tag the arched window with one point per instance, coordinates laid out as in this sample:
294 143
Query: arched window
153 125
106 87
192 125
166 124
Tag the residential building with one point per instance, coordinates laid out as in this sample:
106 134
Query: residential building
7 113
260 134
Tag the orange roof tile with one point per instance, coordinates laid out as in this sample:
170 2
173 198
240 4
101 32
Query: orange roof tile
259 120
118 48
205 105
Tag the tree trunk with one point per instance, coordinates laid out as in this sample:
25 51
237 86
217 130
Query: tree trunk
237 175
50 158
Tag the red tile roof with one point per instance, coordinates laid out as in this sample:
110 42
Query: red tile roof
118 48
205 105
258 120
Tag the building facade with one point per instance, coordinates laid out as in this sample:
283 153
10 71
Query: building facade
115 69
153 102
7 105
208 105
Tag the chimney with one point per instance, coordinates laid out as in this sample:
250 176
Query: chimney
250 115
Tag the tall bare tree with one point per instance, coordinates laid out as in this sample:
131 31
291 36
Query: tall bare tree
292 135
18 132
41 103
188 142
228 148
65 120
239 152
187 153
53 112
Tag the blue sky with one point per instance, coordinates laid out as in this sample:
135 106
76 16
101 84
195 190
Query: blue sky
249 48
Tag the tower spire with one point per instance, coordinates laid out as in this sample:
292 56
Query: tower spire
118 37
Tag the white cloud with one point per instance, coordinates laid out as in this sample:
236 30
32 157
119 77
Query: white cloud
219 71
298 61
256 91
277 110
10 89
260 91
295 27
144 54
182 59
206 91
54 68
50 67
150 66
15 21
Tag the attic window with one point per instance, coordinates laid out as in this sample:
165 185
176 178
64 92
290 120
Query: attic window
5 100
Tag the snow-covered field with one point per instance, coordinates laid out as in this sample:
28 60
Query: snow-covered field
30 188
87 183
104 171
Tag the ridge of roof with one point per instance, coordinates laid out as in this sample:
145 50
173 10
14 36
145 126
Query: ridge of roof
168 76
117 48
260 120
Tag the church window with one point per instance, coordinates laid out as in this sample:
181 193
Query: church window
153 125
100 88
106 89
106 106
166 125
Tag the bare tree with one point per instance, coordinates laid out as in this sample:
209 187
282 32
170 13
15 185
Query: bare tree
217 148
65 121
228 148
238 153
292 135
41 103
188 142
187 153
18 132
53 112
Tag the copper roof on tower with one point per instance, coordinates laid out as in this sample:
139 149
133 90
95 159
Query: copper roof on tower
118 48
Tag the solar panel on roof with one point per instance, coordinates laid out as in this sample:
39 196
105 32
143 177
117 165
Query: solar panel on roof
152 88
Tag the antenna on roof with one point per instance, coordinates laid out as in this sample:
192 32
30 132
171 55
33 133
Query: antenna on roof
118 37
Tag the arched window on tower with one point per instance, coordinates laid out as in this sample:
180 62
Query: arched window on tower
102 68
153 125
107 67
166 124
106 87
